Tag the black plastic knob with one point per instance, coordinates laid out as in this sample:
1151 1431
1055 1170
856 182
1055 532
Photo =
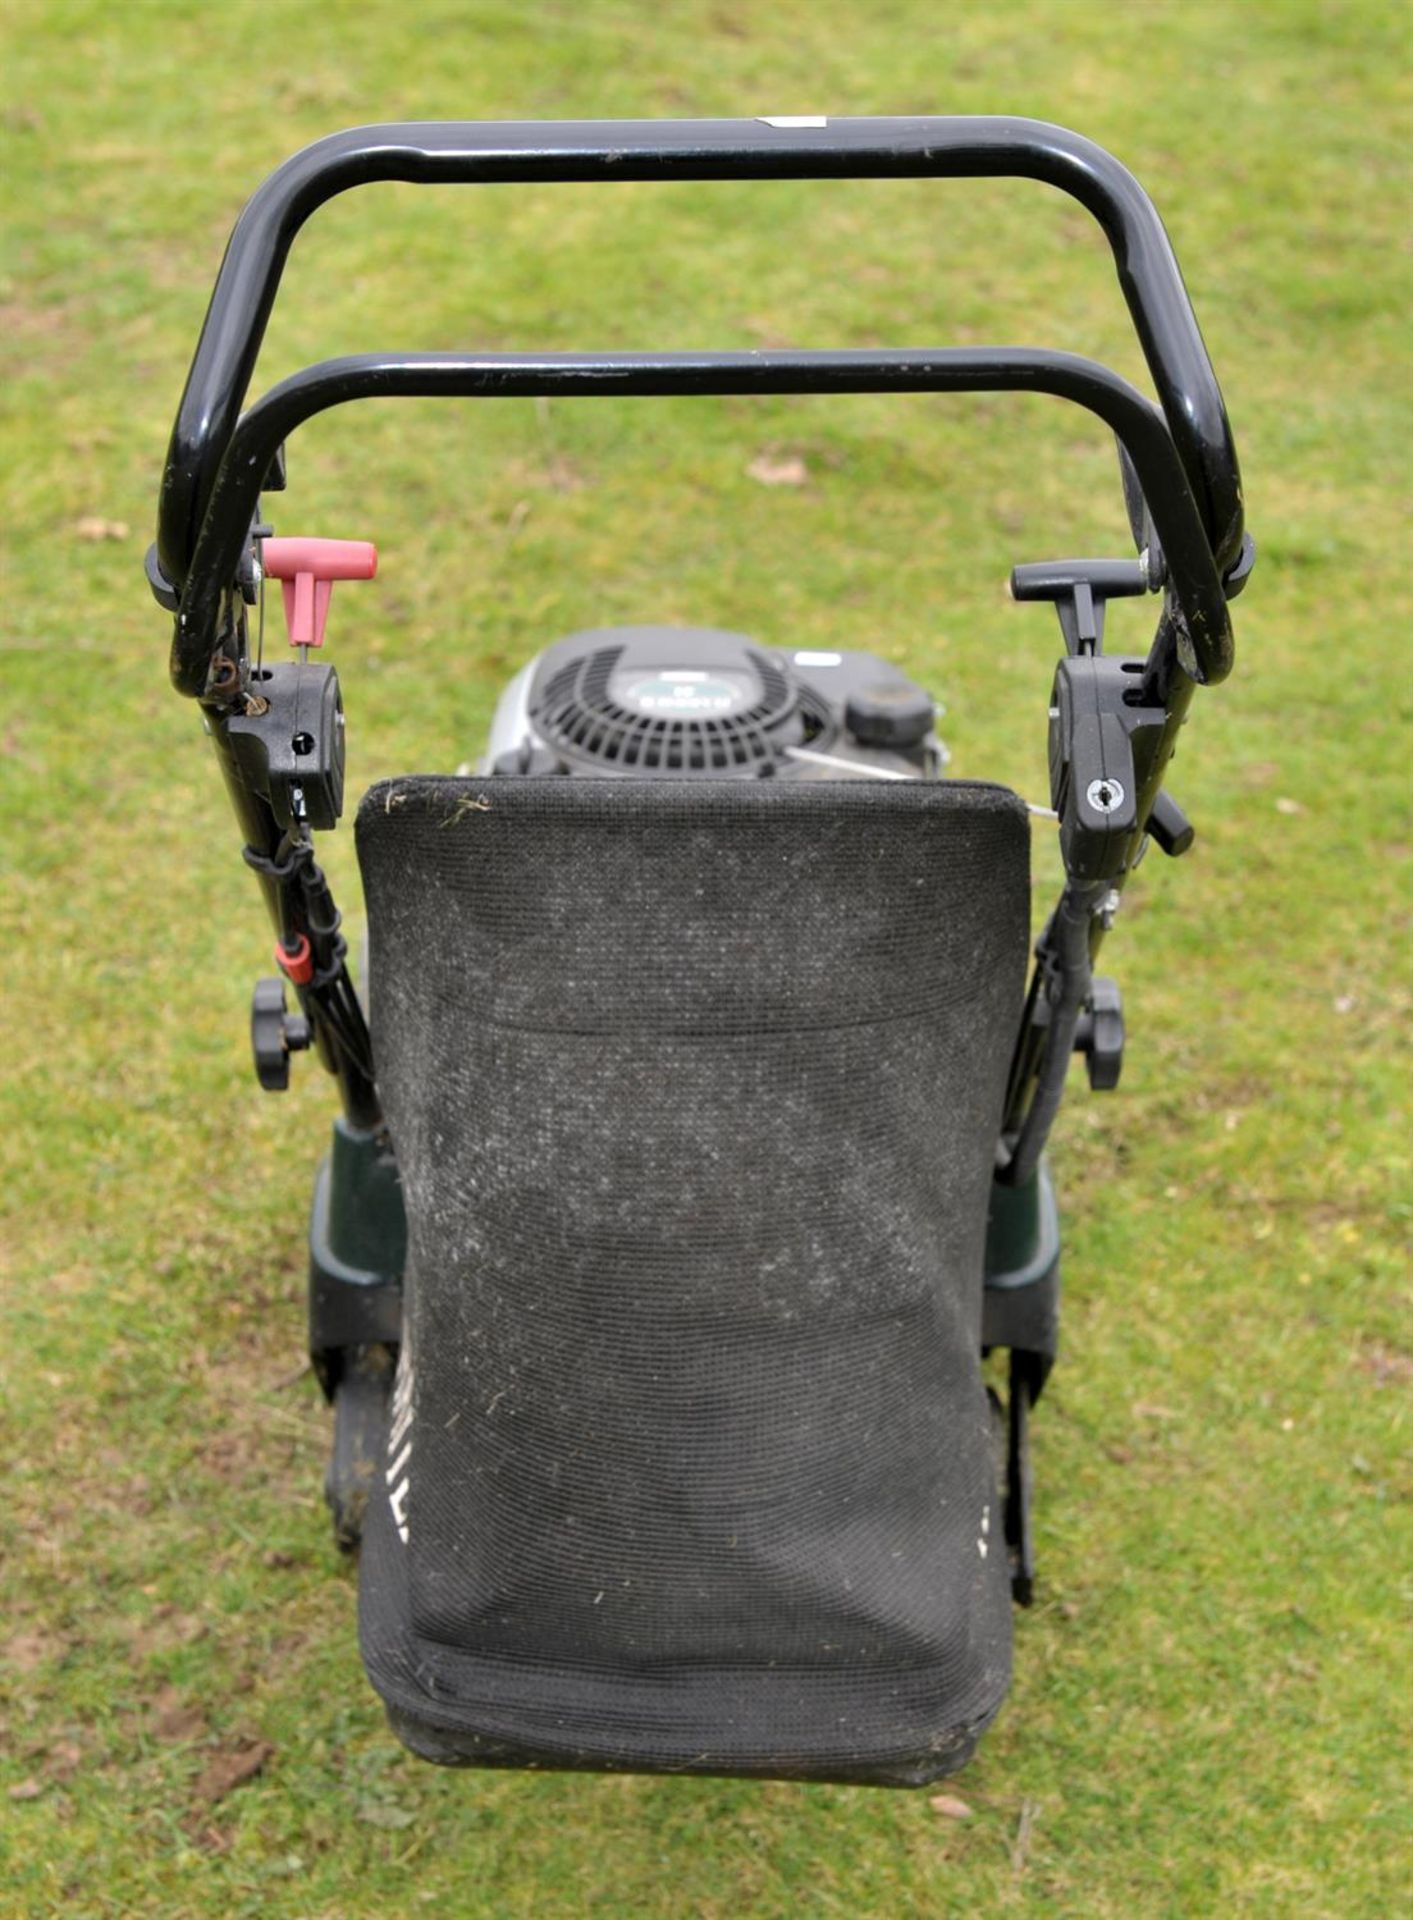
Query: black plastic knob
1099 1035
275 1033
889 714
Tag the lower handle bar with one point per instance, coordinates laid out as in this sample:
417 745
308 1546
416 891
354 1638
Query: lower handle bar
1202 637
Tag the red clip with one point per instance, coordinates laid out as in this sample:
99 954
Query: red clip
309 569
296 963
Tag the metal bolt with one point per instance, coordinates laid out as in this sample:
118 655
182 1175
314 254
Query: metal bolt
1105 796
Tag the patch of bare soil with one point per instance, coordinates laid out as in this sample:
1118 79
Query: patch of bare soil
1386 1365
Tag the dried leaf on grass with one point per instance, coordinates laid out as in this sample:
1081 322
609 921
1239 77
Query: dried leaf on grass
949 1806
92 527
779 470
230 1767
27 1790
376 1813
1020 1846
206 1835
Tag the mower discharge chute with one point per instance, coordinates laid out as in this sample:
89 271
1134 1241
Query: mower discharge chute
690 1158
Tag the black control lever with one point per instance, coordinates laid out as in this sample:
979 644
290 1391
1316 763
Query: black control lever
1079 589
1170 826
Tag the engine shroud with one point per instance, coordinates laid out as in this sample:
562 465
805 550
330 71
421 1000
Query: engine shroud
695 702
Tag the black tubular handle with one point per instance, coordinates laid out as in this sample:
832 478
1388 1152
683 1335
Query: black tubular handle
809 148
1205 648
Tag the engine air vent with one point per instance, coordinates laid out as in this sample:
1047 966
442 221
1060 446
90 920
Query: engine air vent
731 712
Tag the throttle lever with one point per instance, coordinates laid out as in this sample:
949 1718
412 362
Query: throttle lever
1079 590
308 569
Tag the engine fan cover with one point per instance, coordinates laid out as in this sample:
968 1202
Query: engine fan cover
696 702
670 701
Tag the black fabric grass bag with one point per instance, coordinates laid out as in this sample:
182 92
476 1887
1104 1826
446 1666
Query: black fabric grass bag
695 1088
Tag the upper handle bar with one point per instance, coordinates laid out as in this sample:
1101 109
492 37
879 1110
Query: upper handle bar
816 148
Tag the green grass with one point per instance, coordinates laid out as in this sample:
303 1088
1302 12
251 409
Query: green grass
1210 1692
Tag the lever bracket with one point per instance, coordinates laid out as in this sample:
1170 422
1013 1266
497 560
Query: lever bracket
289 742
1101 747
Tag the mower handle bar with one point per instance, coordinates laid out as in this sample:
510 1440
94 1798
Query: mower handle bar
1201 641
789 149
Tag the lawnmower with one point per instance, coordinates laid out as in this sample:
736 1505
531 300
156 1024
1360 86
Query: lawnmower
695 1097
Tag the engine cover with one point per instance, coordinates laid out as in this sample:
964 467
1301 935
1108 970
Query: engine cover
692 702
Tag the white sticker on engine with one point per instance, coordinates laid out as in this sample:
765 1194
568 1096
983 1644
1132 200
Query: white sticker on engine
793 120
818 659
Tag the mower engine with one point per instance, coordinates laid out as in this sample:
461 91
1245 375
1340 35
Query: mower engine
691 702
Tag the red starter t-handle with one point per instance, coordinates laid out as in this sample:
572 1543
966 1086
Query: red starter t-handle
309 569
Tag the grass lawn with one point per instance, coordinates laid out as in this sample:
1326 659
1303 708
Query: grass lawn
1211 1689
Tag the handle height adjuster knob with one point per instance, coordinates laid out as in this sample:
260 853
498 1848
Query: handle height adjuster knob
275 1033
